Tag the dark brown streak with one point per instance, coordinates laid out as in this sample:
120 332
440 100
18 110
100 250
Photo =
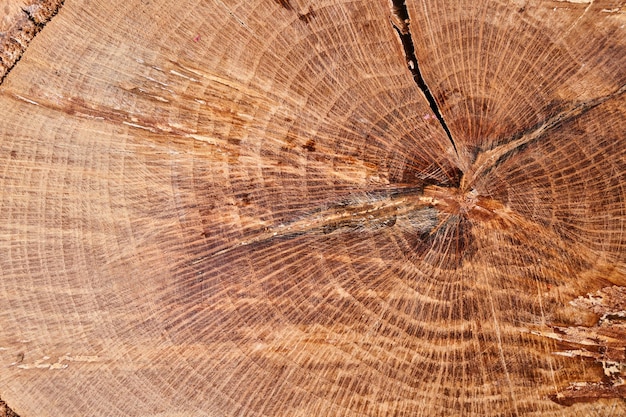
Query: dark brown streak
307 17
285 4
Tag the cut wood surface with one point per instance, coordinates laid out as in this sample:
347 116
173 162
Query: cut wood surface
313 208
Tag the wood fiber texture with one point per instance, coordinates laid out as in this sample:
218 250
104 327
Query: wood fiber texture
313 208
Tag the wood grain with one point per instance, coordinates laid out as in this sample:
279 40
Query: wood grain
297 208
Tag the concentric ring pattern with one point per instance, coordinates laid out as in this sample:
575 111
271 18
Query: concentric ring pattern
228 208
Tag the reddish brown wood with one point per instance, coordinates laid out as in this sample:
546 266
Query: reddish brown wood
298 208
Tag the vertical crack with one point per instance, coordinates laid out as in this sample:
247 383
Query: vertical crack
401 24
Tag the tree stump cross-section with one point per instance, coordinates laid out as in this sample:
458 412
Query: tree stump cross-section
298 208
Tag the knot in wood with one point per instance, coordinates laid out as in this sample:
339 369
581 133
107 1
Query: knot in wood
467 203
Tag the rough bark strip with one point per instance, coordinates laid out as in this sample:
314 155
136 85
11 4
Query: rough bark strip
14 42
602 343
5 411
401 22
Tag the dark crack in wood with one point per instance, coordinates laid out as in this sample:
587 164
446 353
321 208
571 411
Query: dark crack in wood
490 159
285 4
5 411
408 207
401 23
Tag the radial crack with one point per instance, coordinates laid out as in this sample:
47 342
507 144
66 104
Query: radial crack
401 24
408 207
490 159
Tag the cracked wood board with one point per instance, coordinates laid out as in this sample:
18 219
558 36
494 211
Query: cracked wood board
293 208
